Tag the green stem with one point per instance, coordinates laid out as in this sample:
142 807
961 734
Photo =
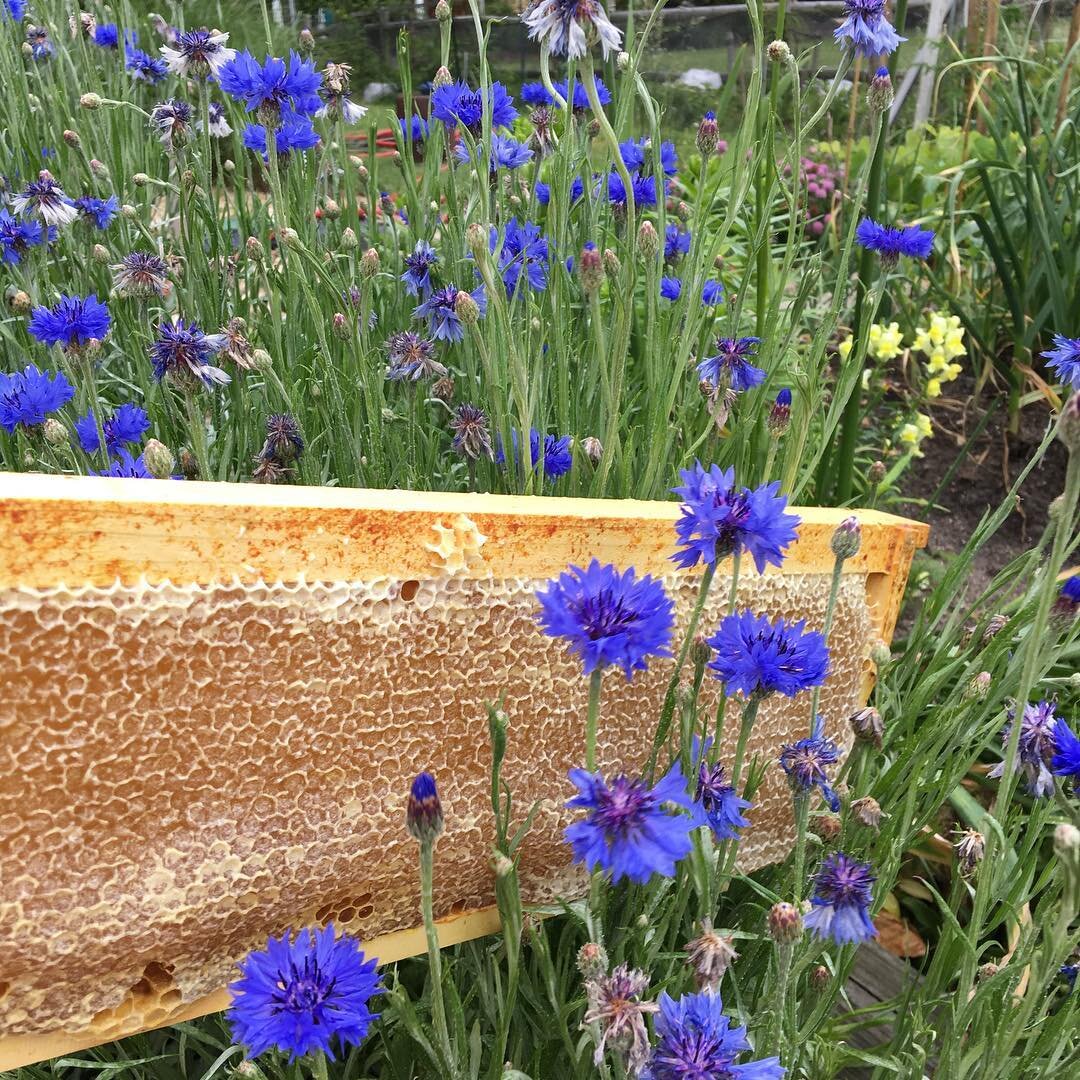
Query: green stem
592 719
438 1005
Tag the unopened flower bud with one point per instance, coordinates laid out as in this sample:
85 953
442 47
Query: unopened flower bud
847 539
20 302
785 923
289 237
188 180
340 326
987 971
158 459
1069 425
100 254
827 827
867 726
349 242
780 414
443 12
423 811
261 360
648 241
708 133
307 40
592 960
866 811
189 465
501 864
90 101
820 977
72 139
98 168
622 60
255 249
466 308
875 474
592 448
880 654
55 433
591 268
229 166
978 687
611 262
995 624
140 179
778 52
476 239
442 78
443 389
331 210
369 263
362 173
880 95
129 212
1066 839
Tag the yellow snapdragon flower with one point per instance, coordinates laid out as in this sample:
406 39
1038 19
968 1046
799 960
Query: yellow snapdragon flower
912 434
886 342
942 342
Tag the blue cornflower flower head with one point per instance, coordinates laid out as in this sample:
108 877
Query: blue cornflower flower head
171 120
695 1041
543 192
14 10
524 251
18 237
1035 749
756 657
411 358
676 243
626 831
145 67
577 189
670 288
805 763
536 94
891 243
1064 359
1065 760
843 891
579 98
181 351
72 322
198 53
643 188
41 47
273 87
141 274
98 211
718 519
295 133
440 309
1068 601
712 292
418 126
716 802
568 27
127 425
455 104
301 992
866 29
125 465
634 153
730 368
608 616
417 276
1069 973
45 198
107 36
27 397
506 153
550 454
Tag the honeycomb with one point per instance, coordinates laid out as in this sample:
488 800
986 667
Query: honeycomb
199 766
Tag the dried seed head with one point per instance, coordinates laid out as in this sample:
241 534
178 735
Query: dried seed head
988 971
443 389
710 955
140 179
867 726
827 827
969 846
20 302
1066 839
866 811
622 60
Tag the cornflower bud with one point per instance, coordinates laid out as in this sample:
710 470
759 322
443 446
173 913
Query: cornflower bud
867 726
847 539
880 95
987 971
778 52
289 237
502 865
466 308
785 923
592 448
90 101
189 465
362 173
820 977
20 302
423 811
880 653
780 414
331 210
158 459
98 168
866 811
708 133
875 474
476 239
307 40
72 139
443 12
611 262
592 960
1066 839
622 60
100 254
340 326
591 268
255 250
648 241
349 242
129 212
140 179
261 360
55 433
978 687
442 77
369 263
827 827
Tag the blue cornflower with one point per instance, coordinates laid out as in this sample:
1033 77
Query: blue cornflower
553 457
417 276
145 67
712 292
1035 749
127 425
295 133
1069 597
107 36
643 188
411 358
455 104
524 250
1064 359
634 153
805 763
99 211
72 322
608 617
181 350
439 309
627 832
18 237
45 198
125 465
579 98
843 891
891 243
273 87
536 94
577 189
566 26
418 127
28 396
756 657
198 53
731 367
716 803
506 153
423 809
37 37
301 992
14 9
670 288
1069 973
695 1041
676 243
717 519
1065 760
171 119
543 192
866 29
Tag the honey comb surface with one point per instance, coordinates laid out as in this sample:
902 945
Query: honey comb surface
197 766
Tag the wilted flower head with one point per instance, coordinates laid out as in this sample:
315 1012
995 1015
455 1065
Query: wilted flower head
72 322
843 891
615 1004
891 243
141 274
471 436
806 761
411 357
301 992
172 121
284 443
45 198
867 726
969 847
197 53
27 397
710 955
626 831
1035 748
731 366
608 616
567 27
182 351
717 519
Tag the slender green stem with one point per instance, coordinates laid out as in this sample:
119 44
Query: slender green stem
438 1004
592 718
